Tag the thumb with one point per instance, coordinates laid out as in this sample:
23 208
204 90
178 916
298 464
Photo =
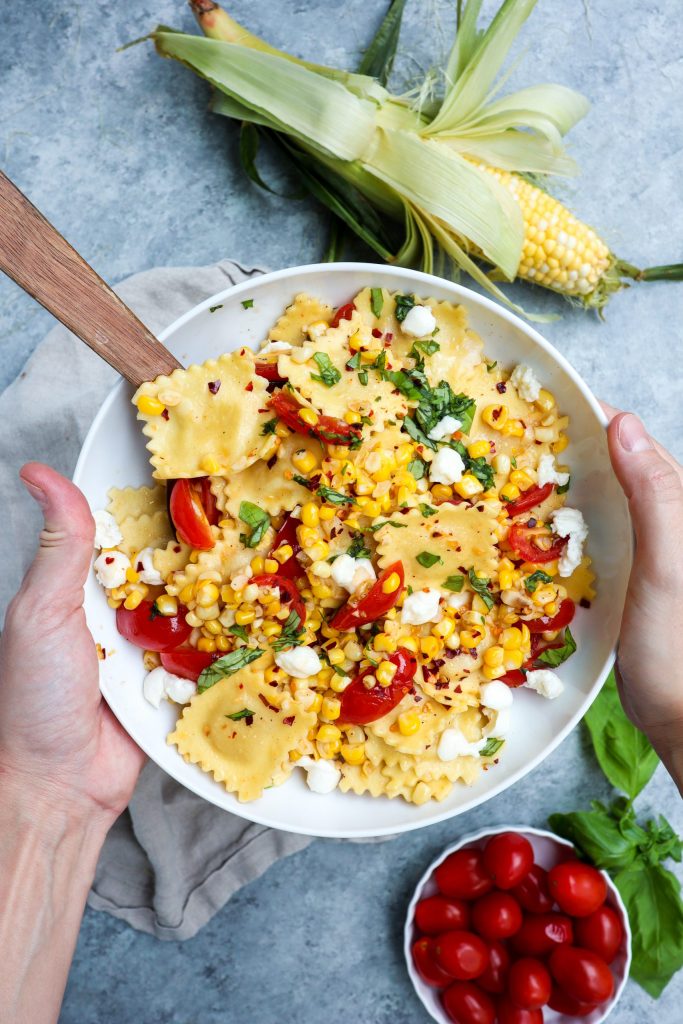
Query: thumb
653 486
62 562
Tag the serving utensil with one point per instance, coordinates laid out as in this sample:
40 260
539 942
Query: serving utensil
48 268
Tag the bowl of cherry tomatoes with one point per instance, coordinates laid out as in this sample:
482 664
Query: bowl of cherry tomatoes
508 926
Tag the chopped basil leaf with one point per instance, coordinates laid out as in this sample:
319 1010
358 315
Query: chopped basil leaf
269 426
376 301
354 362
297 478
426 345
212 309
481 470
513 462
153 612
357 548
480 586
490 367
427 559
537 577
454 583
239 631
334 497
556 655
563 488
324 656
363 377
386 522
402 380
329 374
491 747
237 715
257 519
247 303
427 510
433 405
404 303
418 468
291 635
227 666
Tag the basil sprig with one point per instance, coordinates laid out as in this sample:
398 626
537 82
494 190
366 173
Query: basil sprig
227 666
259 521
555 656
329 374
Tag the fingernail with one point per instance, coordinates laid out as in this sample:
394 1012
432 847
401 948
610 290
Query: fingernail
632 434
36 492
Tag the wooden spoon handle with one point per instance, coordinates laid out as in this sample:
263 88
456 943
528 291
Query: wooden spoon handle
41 261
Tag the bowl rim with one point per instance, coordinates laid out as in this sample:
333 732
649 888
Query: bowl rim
475 837
419 282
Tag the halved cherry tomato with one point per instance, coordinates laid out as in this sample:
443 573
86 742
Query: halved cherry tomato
462 954
494 977
188 662
273 579
292 568
269 371
464 1003
581 973
529 983
496 916
328 428
373 604
360 706
602 932
508 857
541 933
146 628
521 540
562 1002
426 966
578 888
551 623
508 1013
532 893
343 313
188 514
463 875
532 497
436 914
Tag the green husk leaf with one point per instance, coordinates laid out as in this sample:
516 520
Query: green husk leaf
378 59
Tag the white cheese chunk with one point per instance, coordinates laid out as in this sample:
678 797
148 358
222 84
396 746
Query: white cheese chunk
545 682
144 565
321 776
460 600
303 354
154 686
349 573
299 662
419 322
568 522
107 532
495 695
548 473
453 744
180 690
159 684
446 467
110 568
275 346
527 383
444 428
502 726
421 606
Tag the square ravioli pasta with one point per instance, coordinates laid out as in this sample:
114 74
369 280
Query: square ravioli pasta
370 546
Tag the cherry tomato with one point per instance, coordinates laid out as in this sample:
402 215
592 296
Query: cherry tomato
529 984
602 932
372 605
562 1002
462 954
579 889
438 914
532 893
292 568
328 428
146 628
426 966
522 541
581 973
540 933
188 662
532 497
494 978
463 875
360 706
496 916
548 624
269 371
508 1013
508 857
343 313
188 514
464 1003
286 587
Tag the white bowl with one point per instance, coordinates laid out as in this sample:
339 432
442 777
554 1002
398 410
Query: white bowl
114 454
549 850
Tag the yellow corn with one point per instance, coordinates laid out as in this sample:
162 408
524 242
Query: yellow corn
114 602
316 703
257 565
510 492
307 536
385 673
271 628
383 642
444 628
282 430
478 448
283 553
304 461
309 416
317 552
404 454
513 428
408 723
544 595
321 591
150 406
339 683
501 464
206 644
309 514
513 660
352 417
328 734
410 643
133 600
270 565
491 672
207 594
470 638
327 512
495 416
166 605
391 583
353 753
222 643
132 576
545 400
505 579
442 492
430 646
212 627
209 465
511 639
521 479
561 443
494 657
468 486
331 708
372 509
355 342
244 615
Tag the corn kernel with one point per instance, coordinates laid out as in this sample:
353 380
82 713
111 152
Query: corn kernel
442 492
560 444
317 552
513 428
510 492
166 605
511 639
391 583
321 591
282 430
543 595
444 628
404 454
206 644
551 608
271 628
329 750
213 627
222 644
307 536
331 708
372 509
257 565
513 660
207 594
353 753
409 723
468 486
336 656
410 643
339 683
355 342
501 463
114 603
270 565
316 703
352 417
491 672
385 673
309 416
505 579
478 449
327 512
494 657
132 576
430 646
328 733
521 479
402 495
495 416
469 638
283 553
150 406
244 615
545 400
304 460
133 600
209 465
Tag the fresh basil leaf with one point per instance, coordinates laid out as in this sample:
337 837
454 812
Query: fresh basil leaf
354 362
329 374
563 488
480 586
411 428
227 666
427 510
239 631
292 633
212 309
376 301
403 381
653 899
454 583
532 582
555 656
302 480
599 835
492 746
418 468
490 367
269 426
513 462
257 519
357 548
247 303
427 559
334 497
623 752
363 377
386 522
238 715
404 304
426 345
481 469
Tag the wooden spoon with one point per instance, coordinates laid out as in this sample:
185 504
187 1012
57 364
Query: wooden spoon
41 261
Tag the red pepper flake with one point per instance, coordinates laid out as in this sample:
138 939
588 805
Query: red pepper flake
139 567
271 707
177 548
250 386
497 413
289 720
387 344
376 333
242 351
214 386
500 387
584 602
165 415
108 560
389 336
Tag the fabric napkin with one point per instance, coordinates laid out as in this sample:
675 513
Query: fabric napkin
172 859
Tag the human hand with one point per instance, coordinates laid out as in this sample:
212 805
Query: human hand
650 657
57 735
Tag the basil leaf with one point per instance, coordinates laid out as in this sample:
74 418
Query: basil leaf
480 586
257 519
623 752
386 522
291 634
480 468
563 488
237 715
354 362
490 367
653 899
404 303
212 309
427 559
334 497
532 582
426 345
605 839
227 666
454 583
376 301
418 468
363 377
357 548
556 655
246 304
492 746
269 427
329 374
427 510
411 428
239 631
304 481
403 381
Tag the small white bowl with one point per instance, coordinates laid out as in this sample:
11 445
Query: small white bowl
549 850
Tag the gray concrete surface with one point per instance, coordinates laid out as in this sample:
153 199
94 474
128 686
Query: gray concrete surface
119 151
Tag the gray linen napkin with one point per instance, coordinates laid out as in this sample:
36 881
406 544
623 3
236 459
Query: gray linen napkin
171 860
